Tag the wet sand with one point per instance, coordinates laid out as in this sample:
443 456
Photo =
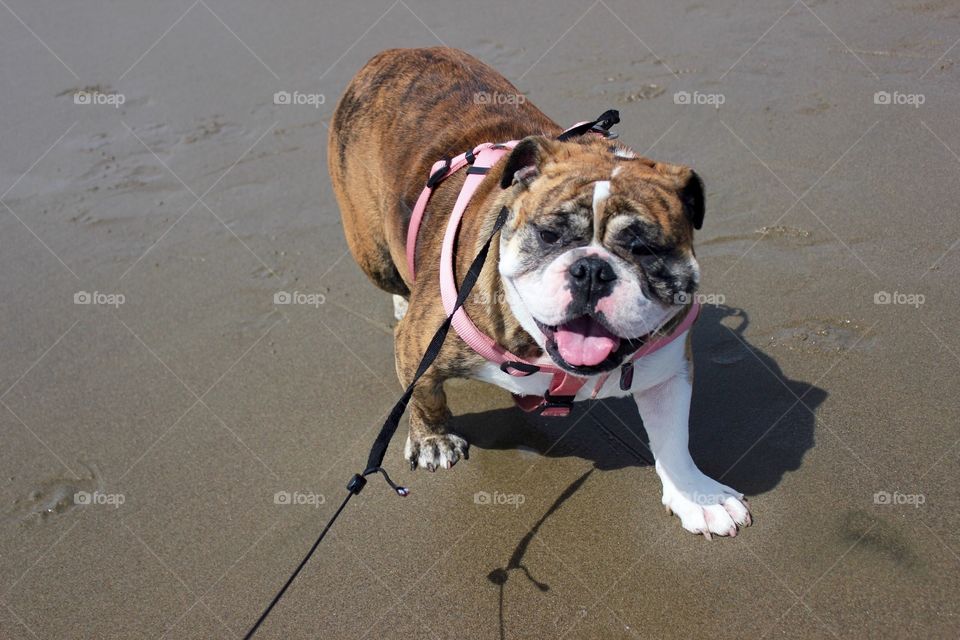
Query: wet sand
183 399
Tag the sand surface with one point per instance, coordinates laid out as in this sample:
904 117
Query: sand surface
185 405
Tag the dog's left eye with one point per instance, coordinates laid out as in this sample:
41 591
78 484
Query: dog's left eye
548 236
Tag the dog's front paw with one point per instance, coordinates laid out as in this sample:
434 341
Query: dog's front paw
435 451
704 505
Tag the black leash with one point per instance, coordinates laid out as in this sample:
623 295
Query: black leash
379 448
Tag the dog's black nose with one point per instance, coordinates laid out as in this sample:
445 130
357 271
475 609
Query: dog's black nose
592 278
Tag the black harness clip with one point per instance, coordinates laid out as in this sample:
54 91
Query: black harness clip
438 175
523 367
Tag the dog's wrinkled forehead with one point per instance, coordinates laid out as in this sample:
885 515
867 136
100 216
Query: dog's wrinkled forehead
596 183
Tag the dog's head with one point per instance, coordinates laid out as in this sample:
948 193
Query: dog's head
597 251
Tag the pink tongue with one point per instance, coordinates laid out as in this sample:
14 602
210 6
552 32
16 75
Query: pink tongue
584 343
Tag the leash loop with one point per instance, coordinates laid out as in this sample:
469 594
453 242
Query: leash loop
401 490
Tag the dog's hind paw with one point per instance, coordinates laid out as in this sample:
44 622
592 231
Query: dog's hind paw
435 452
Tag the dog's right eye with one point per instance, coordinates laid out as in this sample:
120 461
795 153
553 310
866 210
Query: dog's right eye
548 236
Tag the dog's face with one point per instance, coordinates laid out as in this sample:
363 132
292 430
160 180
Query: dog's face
597 252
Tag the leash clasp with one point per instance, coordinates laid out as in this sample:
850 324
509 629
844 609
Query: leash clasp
605 122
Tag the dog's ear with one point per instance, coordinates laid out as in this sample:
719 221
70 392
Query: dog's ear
692 197
690 188
523 164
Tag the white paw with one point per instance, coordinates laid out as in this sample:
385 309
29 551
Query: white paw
703 504
400 306
435 452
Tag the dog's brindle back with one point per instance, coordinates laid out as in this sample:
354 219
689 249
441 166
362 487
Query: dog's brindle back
406 109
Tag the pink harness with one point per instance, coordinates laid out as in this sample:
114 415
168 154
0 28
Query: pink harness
558 399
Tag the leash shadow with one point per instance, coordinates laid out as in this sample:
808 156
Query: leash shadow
501 575
747 427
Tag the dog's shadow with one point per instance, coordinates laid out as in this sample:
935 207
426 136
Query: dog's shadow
747 426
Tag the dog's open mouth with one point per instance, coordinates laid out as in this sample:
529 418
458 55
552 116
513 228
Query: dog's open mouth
584 346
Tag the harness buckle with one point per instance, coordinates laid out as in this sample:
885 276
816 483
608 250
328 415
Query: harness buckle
556 406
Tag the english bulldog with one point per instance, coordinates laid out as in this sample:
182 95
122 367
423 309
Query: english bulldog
595 257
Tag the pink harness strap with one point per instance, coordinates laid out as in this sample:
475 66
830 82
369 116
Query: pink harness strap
441 170
558 399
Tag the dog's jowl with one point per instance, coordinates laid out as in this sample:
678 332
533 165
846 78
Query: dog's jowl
587 288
